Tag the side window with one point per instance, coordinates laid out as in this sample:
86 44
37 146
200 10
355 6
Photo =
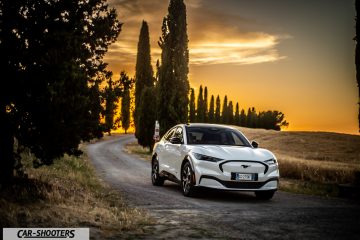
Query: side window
179 133
169 134
237 140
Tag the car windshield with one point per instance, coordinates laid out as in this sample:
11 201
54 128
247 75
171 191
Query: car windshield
215 136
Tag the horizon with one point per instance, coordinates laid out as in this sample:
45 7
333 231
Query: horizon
281 56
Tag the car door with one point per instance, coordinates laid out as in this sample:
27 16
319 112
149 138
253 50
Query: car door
164 155
174 151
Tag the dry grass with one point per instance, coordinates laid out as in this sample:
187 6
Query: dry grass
135 148
67 194
317 157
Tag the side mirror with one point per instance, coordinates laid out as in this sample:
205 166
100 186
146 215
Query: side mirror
254 144
175 140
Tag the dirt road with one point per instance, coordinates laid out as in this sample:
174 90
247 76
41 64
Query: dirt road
217 214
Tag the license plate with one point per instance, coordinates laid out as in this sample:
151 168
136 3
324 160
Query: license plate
244 176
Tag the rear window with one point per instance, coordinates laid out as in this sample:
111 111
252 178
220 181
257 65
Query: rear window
215 136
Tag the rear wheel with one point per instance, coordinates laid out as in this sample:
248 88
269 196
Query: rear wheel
156 179
187 180
264 195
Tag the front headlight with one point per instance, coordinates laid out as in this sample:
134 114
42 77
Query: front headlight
271 161
206 158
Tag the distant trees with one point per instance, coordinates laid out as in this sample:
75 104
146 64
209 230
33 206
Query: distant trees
111 95
127 84
192 109
144 75
217 110
51 58
224 113
253 119
200 111
173 85
212 110
205 103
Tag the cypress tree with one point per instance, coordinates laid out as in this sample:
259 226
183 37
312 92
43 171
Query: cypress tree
125 110
127 85
173 77
143 69
224 113
192 106
111 101
147 108
211 110
237 115
217 110
243 118
249 119
206 105
200 111
230 113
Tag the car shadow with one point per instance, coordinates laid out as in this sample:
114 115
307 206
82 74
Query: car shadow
215 195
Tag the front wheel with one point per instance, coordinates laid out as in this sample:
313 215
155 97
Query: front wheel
187 180
156 179
264 195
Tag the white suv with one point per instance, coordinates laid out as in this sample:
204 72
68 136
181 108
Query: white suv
214 156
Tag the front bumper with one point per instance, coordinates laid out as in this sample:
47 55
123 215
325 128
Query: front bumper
220 175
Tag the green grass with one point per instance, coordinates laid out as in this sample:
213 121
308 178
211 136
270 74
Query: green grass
67 194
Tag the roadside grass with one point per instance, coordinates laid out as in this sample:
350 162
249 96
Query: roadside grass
310 162
135 148
67 194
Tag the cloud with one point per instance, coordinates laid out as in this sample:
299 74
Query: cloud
215 37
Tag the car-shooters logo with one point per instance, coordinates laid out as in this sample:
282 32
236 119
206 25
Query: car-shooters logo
46 233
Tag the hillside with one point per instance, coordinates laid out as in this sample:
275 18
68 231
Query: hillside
322 157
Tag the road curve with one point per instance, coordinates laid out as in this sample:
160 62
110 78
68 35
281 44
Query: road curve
218 214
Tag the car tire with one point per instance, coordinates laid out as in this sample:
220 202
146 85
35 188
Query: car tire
264 195
187 180
156 179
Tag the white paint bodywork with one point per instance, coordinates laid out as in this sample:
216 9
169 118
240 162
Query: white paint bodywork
235 159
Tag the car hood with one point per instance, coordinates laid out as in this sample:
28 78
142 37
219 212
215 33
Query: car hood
232 152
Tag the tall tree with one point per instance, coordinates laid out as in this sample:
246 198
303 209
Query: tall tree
200 111
127 85
50 56
224 113
237 115
217 110
192 106
147 109
230 113
111 103
206 104
173 86
243 122
357 54
211 110
144 75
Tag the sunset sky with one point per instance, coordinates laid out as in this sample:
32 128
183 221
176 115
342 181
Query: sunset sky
287 55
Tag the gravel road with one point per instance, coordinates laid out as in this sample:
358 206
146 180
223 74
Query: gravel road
218 214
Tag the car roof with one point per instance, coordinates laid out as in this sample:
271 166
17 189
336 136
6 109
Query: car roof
211 125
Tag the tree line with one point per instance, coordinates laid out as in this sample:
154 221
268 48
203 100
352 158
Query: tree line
230 113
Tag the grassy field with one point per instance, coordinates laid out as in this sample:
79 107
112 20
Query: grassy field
313 156
310 162
68 194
